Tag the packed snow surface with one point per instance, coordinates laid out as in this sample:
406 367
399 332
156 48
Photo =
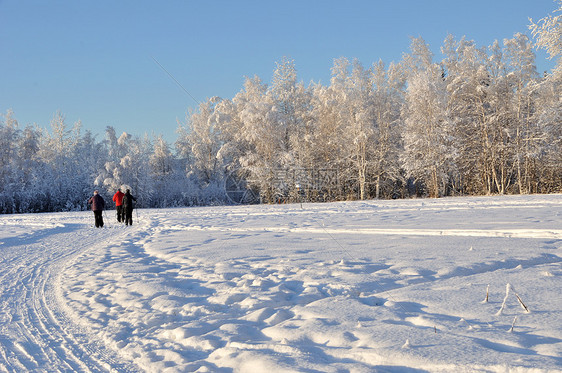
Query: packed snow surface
440 285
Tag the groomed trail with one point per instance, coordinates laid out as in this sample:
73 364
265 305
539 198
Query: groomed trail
35 332
373 286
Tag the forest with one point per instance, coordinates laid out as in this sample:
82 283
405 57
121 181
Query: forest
480 121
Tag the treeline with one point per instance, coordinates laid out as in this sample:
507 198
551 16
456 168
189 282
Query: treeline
58 170
480 121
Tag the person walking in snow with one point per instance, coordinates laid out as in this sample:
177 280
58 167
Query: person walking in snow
118 199
98 204
128 207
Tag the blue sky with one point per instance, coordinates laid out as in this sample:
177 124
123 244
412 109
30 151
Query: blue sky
94 61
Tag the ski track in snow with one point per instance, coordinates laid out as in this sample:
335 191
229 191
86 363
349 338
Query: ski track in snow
35 334
387 286
516 233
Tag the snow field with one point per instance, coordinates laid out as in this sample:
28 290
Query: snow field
385 286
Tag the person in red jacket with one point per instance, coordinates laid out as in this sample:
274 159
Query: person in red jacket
118 199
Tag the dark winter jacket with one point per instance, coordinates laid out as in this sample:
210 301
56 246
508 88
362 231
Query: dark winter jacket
128 201
97 203
118 198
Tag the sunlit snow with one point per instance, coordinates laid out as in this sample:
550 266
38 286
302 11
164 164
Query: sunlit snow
452 284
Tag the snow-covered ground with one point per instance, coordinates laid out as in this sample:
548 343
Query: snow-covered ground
375 286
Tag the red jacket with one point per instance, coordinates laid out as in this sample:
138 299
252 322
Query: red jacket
118 198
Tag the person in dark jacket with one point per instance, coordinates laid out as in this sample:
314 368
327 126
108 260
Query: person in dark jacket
128 207
118 199
98 204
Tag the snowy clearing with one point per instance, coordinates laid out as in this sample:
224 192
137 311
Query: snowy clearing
375 286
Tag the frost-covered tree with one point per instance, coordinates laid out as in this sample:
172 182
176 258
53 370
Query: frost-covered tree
547 118
168 180
467 81
61 172
90 157
161 160
9 135
326 130
201 144
229 126
204 137
265 147
548 32
116 147
127 166
500 122
110 176
291 115
353 87
428 152
387 104
523 78
283 94
9 157
28 146
29 167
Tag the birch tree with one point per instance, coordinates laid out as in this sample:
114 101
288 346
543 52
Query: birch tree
57 151
387 99
352 86
427 143
467 81
205 139
9 135
523 78
548 32
128 168
500 123
325 134
265 147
